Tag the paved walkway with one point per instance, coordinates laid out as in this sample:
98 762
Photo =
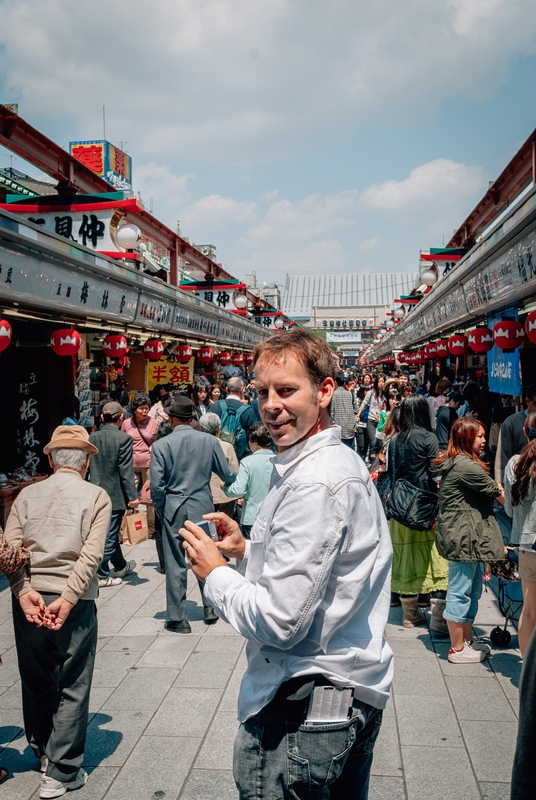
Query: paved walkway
163 707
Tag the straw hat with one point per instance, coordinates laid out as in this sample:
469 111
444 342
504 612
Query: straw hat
74 436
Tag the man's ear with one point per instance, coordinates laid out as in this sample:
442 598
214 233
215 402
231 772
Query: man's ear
325 392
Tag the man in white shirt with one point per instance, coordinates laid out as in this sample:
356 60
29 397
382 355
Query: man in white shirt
311 594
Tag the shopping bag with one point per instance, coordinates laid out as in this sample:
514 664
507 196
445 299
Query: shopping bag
134 528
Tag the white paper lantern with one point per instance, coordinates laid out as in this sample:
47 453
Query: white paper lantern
428 277
128 236
241 301
399 313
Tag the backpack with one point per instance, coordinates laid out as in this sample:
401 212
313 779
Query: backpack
231 428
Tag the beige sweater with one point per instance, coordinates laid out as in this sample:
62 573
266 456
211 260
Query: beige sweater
63 521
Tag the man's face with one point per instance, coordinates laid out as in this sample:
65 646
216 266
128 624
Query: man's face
290 406
531 404
403 380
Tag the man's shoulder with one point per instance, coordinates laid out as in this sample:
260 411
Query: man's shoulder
332 465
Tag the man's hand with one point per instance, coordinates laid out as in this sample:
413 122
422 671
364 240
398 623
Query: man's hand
56 613
134 503
232 544
33 607
203 553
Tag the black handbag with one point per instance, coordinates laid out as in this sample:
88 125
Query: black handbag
415 508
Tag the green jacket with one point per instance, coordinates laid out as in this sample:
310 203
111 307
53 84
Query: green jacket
466 528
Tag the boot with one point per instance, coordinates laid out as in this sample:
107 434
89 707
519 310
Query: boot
411 617
437 623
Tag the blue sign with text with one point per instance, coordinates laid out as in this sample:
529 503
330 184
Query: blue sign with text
504 369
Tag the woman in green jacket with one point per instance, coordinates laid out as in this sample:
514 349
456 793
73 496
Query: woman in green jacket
467 532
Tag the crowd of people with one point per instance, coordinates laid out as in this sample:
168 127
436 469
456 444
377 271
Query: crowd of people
328 497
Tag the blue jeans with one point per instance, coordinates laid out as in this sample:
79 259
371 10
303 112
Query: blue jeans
464 590
112 548
276 756
349 442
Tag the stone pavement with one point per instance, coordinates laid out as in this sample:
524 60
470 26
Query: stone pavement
163 707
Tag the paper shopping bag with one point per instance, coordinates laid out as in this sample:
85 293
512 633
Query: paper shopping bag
134 528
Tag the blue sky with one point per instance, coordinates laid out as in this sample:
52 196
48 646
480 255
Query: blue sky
304 136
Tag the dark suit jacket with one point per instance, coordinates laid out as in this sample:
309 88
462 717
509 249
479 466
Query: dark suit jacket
181 466
112 468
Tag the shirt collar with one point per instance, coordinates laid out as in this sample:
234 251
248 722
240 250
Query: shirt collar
288 459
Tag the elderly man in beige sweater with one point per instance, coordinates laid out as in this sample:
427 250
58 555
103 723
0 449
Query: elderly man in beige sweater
63 522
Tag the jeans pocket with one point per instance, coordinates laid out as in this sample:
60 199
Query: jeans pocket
316 754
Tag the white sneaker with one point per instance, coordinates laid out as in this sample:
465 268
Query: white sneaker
50 787
129 566
109 581
468 655
476 645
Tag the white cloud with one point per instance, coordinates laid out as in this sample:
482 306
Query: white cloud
369 244
436 185
234 79
213 212
158 183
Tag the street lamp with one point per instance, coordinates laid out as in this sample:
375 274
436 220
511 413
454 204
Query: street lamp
128 237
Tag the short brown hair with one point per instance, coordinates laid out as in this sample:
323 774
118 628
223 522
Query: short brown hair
314 353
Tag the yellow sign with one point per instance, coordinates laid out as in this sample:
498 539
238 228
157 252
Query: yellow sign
168 370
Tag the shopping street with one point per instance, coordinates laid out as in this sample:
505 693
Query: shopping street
163 707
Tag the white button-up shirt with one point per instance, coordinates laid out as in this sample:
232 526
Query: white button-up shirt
315 593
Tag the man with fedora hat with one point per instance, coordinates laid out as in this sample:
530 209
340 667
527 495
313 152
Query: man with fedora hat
181 466
63 521
112 468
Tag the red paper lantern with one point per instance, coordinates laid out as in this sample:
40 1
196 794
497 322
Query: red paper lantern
442 348
183 353
248 359
508 334
402 357
237 359
430 349
458 344
530 327
205 355
115 346
224 358
480 340
153 349
6 333
65 342
420 357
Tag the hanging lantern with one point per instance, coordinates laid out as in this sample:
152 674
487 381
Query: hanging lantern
480 340
508 334
115 346
183 353
248 359
6 332
153 349
530 327
430 349
458 344
420 357
205 355
237 359
65 342
224 358
442 348
399 313
428 277
241 301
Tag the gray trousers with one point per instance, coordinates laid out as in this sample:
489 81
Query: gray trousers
176 568
56 669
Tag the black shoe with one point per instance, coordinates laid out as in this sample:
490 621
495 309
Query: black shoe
210 616
180 626
423 600
395 600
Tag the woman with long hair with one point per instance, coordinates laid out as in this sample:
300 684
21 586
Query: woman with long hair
519 503
467 533
214 395
417 567
374 401
200 400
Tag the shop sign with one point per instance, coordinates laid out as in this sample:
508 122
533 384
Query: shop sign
504 367
498 278
89 228
31 423
62 288
476 362
154 313
343 336
169 370
106 160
